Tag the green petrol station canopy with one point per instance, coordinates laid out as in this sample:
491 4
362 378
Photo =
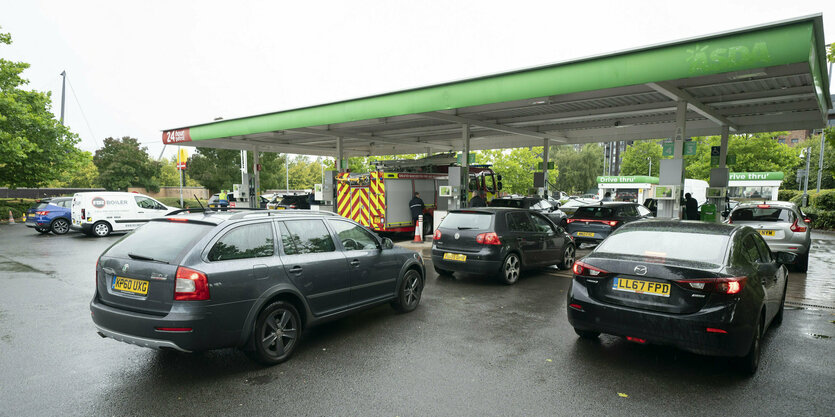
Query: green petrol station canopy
764 78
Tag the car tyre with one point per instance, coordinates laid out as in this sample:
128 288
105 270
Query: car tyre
568 256
427 225
101 229
803 265
276 334
751 361
442 272
778 318
60 226
408 295
586 334
510 269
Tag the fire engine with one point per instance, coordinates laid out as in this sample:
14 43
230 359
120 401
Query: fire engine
380 199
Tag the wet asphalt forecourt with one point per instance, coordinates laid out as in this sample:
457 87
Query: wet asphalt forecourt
472 347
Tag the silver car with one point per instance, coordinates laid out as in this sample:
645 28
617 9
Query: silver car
781 224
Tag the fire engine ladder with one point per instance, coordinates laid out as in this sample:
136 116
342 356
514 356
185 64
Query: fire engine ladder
448 158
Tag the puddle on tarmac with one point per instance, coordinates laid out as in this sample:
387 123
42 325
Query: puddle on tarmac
10 265
820 336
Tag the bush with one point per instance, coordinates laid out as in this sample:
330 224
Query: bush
18 207
788 195
821 219
825 200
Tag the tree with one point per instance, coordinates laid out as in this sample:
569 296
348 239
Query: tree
516 166
828 175
637 157
758 152
82 173
122 164
34 147
169 175
215 169
578 170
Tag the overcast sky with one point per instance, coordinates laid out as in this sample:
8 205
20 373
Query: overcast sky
138 67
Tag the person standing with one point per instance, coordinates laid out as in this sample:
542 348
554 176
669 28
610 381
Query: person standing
691 207
222 199
416 206
607 196
478 200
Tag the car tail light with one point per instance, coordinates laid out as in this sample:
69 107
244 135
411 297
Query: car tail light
763 206
636 339
715 330
83 214
796 228
577 307
96 273
731 285
584 269
570 221
488 239
190 285
177 219
42 213
437 235
173 329
807 220
292 206
613 223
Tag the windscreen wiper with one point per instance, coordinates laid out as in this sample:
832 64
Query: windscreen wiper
145 258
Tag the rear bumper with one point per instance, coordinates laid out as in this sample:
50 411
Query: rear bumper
781 246
141 329
685 331
477 263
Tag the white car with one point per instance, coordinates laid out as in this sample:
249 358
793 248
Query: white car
98 213
574 203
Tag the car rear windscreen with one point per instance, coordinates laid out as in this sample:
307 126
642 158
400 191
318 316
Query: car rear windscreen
595 212
472 220
159 240
655 244
756 214
501 202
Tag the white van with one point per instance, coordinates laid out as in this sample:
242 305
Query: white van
100 213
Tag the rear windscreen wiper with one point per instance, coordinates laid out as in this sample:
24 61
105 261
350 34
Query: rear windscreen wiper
145 258
465 228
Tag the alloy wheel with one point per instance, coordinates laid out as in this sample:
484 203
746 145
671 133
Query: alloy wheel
511 268
279 333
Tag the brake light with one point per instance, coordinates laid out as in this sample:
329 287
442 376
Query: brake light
571 220
807 220
41 213
173 329
763 206
437 235
83 214
292 206
636 339
731 285
488 239
96 273
584 269
613 223
190 285
796 228
577 307
177 219
714 330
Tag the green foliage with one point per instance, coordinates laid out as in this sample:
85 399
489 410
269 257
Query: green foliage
821 219
216 169
830 52
824 200
827 177
305 172
18 207
516 167
122 164
787 195
635 159
82 173
578 170
34 147
169 175
175 202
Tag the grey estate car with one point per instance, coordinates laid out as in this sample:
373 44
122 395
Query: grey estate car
247 279
781 224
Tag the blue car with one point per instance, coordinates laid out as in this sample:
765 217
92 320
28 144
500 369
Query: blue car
50 215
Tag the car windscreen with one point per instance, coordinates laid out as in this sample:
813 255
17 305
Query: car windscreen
661 245
159 240
292 200
467 220
757 214
503 202
542 205
594 212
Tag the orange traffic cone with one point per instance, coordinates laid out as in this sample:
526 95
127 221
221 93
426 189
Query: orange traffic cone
419 229
11 218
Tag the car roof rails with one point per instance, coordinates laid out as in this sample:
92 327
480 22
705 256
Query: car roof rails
290 212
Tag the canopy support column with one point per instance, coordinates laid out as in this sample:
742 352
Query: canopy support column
671 171
338 165
545 149
256 182
465 162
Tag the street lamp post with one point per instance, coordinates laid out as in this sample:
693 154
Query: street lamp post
649 174
806 180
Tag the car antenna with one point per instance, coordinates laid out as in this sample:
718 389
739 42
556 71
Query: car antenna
198 201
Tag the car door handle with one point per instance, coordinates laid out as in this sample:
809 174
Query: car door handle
296 270
355 262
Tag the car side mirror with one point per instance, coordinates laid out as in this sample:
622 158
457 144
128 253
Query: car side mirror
387 243
785 258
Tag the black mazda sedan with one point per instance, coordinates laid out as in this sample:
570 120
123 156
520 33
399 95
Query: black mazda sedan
499 242
711 289
247 279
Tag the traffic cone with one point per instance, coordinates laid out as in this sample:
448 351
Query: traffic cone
11 218
419 229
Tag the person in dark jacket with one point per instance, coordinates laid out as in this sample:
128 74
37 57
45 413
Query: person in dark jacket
478 200
416 206
691 207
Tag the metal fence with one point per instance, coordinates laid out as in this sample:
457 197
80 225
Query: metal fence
42 192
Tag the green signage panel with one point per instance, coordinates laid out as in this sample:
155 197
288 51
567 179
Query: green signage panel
730 159
470 160
714 160
690 147
619 179
550 166
756 176
667 148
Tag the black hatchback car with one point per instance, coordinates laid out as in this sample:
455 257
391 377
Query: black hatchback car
593 223
500 242
711 289
247 279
